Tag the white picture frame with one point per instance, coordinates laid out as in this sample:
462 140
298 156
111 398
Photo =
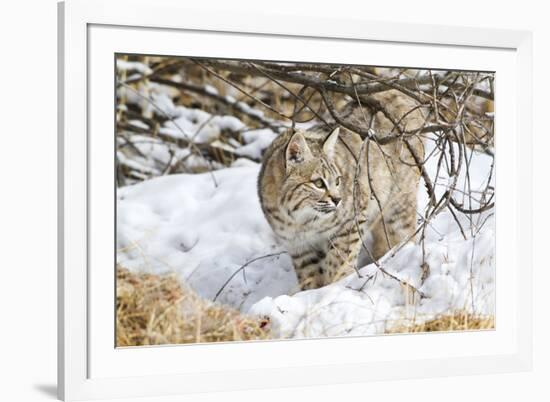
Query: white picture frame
89 365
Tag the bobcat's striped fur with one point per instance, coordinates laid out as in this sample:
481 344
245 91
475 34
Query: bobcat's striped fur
321 191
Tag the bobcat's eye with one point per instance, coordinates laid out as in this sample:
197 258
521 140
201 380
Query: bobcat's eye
338 181
319 183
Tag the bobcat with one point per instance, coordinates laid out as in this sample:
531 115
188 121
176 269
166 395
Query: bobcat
323 190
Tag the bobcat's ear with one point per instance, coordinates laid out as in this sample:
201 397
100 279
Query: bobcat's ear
297 150
330 142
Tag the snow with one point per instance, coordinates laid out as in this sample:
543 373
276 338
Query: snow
207 227
230 99
256 142
155 155
139 124
202 127
210 89
187 224
350 307
132 163
142 68
195 125
247 109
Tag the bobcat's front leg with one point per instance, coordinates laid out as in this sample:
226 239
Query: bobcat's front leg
308 265
342 252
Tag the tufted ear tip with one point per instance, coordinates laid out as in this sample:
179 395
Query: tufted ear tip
330 142
297 150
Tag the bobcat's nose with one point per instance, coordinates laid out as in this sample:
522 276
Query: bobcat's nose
336 200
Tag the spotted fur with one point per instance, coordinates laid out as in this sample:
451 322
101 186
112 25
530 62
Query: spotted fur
324 191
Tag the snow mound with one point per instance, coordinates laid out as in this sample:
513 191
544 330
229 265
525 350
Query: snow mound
210 230
205 227
371 302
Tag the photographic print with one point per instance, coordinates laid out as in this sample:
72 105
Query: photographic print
268 200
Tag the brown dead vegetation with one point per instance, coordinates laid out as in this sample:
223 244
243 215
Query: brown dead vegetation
155 310
458 321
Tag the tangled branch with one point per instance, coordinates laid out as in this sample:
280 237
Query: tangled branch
265 98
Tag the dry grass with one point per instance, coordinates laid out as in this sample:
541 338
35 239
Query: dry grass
459 321
154 310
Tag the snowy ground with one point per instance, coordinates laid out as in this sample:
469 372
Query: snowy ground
206 228
210 230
